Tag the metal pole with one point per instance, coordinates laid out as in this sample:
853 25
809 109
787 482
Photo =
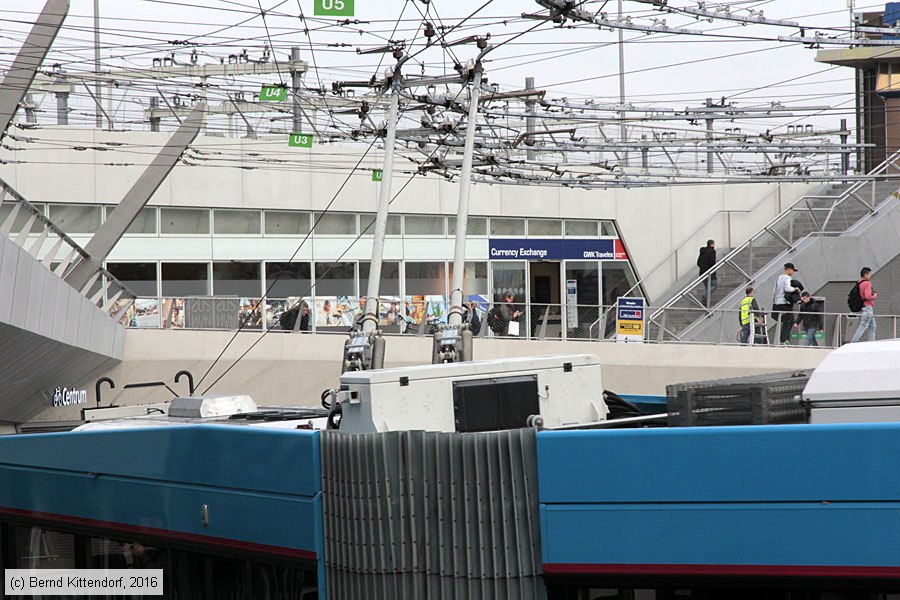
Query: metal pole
154 120
624 131
370 314
97 95
296 80
529 121
845 155
462 210
62 108
709 137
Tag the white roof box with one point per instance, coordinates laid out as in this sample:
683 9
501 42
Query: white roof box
860 372
211 406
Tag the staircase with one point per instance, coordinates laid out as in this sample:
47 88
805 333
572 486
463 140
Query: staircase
831 211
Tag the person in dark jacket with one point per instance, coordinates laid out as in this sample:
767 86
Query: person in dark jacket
811 320
705 261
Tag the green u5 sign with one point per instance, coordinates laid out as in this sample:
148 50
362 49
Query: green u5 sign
377 174
272 93
333 8
300 140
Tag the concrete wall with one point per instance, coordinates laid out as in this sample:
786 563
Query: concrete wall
293 369
653 221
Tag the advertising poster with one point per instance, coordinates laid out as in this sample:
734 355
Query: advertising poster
390 311
572 303
415 309
173 313
250 313
274 308
436 309
630 320
145 313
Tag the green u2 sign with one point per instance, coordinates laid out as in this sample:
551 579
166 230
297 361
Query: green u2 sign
333 8
272 93
300 140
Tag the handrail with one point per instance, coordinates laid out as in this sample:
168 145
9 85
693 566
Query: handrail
780 217
687 240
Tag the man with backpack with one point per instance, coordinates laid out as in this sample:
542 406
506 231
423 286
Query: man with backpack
862 300
706 261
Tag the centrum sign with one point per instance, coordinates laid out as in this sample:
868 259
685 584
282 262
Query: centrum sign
67 397
556 249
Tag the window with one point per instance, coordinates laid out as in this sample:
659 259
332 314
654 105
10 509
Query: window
366 219
74 218
140 278
423 225
390 279
425 279
21 218
581 228
335 279
335 224
514 227
293 279
286 223
544 227
236 279
608 228
474 279
144 222
509 276
185 279
476 226
617 278
38 548
236 222
184 220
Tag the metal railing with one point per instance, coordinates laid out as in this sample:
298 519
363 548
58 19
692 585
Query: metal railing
809 216
415 317
29 228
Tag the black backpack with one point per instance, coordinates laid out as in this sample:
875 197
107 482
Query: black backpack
855 299
496 321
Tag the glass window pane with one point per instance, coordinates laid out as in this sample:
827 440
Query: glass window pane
366 219
581 228
587 295
335 224
286 223
476 226
293 279
509 276
140 278
236 279
617 279
424 225
21 218
425 279
608 228
335 279
544 227
474 279
144 222
38 548
184 220
185 279
390 279
236 222
73 218
507 226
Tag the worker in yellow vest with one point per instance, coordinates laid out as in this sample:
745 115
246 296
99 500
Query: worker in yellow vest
749 315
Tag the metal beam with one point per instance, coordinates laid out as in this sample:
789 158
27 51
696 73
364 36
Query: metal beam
20 75
137 197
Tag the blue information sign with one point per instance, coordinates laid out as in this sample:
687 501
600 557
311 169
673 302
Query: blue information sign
630 319
555 249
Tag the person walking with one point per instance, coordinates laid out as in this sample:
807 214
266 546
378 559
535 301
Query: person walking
781 306
749 315
811 319
705 261
867 314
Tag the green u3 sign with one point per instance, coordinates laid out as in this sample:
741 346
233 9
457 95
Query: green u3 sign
333 8
300 140
377 174
272 93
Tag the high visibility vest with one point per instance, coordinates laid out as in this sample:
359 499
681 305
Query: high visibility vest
745 310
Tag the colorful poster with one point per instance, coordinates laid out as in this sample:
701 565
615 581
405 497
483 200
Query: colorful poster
250 313
630 320
145 313
274 308
173 313
436 308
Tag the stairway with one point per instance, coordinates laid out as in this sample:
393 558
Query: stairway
831 211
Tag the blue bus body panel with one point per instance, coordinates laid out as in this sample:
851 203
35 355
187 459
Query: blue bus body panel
262 486
718 500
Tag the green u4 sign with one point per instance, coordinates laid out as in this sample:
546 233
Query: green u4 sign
333 8
272 93
300 140
377 174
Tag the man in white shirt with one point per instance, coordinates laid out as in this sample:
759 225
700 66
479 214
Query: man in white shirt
782 305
